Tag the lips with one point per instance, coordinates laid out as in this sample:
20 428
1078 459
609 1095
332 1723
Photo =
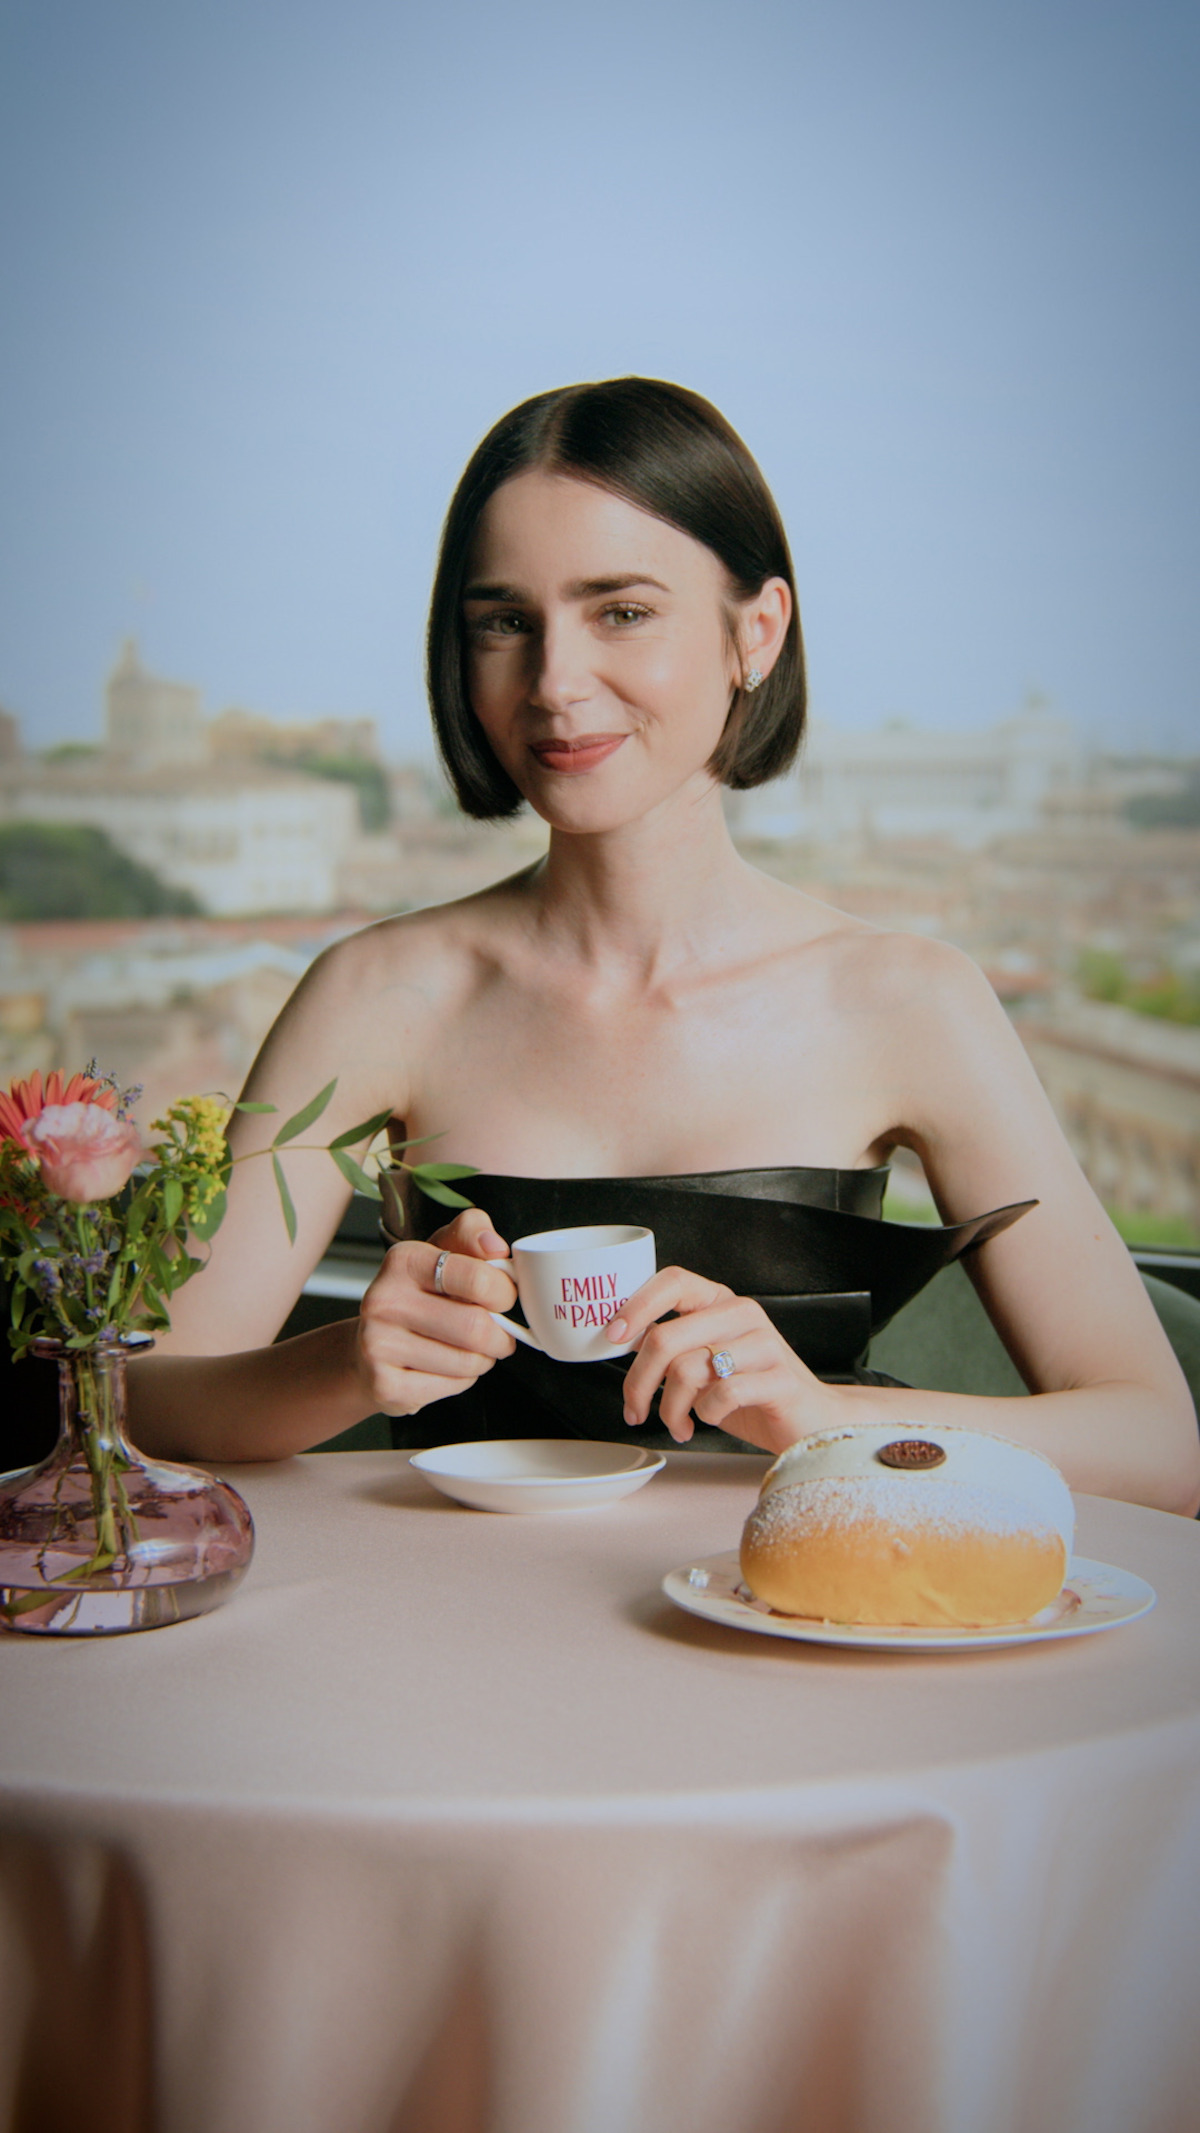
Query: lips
583 753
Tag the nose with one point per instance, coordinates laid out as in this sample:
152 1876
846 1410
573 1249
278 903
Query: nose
561 670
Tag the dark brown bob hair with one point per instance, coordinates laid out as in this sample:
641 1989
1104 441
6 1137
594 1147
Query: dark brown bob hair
670 453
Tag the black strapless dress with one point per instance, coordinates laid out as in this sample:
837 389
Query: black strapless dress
809 1245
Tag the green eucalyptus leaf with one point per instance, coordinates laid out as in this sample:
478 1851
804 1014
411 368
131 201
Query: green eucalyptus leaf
355 1173
367 1131
285 1199
256 1107
303 1119
443 1195
442 1171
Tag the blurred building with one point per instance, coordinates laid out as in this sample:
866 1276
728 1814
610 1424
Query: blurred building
148 722
257 840
237 736
901 780
233 823
177 1004
1126 1090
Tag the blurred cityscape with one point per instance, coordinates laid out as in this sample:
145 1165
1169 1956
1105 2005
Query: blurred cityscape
161 891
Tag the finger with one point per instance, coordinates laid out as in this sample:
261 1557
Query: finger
467 1280
405 1392
682 1387
718 1402
664 1344
411 1350
405 1368
471 1233
692 1386
390 1312
411 1269
673 1288
475 1327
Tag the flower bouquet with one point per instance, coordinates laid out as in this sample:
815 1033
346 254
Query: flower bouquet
97 1232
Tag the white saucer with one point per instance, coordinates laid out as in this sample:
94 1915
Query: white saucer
1095 1596
537 1473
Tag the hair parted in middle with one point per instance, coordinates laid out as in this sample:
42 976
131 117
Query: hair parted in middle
672 454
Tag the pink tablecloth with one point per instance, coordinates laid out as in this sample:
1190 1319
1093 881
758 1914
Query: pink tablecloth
450 1822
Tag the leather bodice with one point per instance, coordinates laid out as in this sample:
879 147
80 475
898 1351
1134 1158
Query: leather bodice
809 1244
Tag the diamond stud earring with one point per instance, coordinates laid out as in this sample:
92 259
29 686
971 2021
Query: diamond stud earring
753 681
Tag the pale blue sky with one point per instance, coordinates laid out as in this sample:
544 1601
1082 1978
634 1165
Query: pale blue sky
270 267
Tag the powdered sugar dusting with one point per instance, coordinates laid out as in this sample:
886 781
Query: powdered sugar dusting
914 1503
991 1471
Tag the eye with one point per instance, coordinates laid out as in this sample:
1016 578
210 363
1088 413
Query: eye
504 622
625 612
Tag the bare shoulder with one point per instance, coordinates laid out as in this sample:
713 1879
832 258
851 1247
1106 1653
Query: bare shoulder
896 988
924 981
369 1010
885 972
423 958
918 1023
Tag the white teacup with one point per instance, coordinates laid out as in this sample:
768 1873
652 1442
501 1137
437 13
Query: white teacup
572 1282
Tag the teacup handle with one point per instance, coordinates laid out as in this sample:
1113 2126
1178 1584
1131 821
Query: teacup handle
510 1325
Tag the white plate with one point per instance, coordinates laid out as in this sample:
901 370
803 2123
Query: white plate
537 1473
1095 1596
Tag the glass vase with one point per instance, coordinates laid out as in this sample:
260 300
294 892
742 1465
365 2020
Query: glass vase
97 1539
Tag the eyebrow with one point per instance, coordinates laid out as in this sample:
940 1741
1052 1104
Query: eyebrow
580 589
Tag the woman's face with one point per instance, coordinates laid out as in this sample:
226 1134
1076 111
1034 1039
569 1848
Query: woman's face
598 655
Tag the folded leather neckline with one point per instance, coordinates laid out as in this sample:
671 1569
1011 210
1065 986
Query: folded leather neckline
757 1243
858 1192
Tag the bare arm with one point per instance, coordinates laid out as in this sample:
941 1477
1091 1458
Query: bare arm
1111 1405
220 1386
411 1345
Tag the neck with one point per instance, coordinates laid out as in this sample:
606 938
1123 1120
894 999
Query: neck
651 894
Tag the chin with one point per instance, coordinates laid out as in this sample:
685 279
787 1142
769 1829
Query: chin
579 818
591 805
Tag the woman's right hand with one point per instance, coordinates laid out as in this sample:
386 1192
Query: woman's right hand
417 1343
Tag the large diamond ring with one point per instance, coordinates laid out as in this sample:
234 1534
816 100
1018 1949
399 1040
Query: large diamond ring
439 1272
722 1362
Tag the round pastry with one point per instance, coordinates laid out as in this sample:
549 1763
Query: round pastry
904 1523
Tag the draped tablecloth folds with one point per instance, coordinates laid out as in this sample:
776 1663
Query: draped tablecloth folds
450 1823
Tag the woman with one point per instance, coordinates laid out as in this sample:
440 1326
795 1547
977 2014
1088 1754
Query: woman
613 636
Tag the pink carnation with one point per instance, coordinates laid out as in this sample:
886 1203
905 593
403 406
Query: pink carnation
83 1151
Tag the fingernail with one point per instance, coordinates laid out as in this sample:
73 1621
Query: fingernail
617 1328
493 1245
630 1418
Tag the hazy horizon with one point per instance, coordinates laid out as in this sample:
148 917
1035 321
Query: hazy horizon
272 270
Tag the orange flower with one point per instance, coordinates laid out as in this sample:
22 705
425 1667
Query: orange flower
26 1100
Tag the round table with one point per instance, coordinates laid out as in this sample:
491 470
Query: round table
451 1822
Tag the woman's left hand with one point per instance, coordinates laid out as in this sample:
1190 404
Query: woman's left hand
769 1397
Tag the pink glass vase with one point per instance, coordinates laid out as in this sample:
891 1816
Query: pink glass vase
97 1539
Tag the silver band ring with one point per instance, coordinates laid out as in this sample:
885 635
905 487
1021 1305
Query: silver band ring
439 1272
722 1362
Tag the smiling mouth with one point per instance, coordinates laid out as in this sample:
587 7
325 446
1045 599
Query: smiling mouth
581 754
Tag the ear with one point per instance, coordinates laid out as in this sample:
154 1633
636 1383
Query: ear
762 626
